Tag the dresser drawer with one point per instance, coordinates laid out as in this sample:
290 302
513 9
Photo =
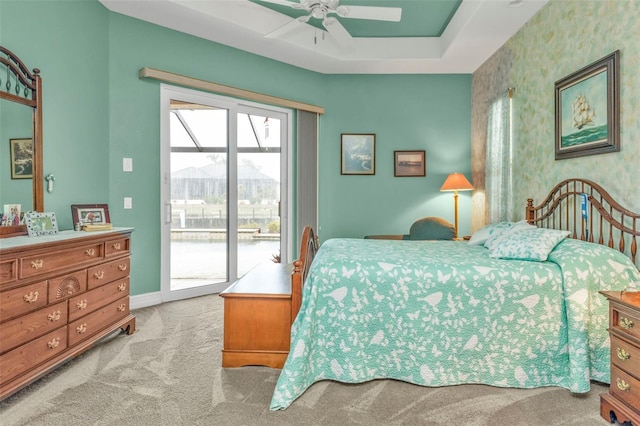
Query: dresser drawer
25 357
90 301
625 321
8 270
22 300
107 272
624 387
116 247
20 330
65 286
625 356
63 259
90 324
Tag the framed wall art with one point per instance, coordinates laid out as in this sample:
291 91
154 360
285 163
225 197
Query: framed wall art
41 223
358 154
90 214
409 163
21 153
587 108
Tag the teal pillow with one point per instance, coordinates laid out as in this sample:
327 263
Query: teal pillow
528 244
432 228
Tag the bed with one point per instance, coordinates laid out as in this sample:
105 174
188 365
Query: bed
516 306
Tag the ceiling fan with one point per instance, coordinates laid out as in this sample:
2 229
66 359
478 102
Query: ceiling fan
322 9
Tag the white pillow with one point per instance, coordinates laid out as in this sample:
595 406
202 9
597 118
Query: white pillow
528 244
495 238
482 235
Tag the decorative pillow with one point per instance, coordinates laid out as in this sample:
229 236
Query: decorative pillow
528 244
482 235
503 233
432 228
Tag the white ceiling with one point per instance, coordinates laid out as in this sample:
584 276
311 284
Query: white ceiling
477 29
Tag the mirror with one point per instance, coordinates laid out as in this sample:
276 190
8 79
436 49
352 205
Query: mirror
21 131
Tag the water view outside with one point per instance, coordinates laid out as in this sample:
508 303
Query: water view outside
195 263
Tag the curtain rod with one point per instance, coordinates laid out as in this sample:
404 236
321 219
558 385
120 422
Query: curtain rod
169 77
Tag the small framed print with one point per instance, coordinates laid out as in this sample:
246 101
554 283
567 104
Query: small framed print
40 223
409 163
21 153
357 154
90 214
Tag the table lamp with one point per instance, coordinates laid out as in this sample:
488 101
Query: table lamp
456 182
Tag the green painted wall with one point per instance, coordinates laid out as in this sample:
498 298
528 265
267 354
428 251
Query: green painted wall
406 112
561 39
97 111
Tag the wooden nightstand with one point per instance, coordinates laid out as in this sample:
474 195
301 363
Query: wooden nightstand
622 403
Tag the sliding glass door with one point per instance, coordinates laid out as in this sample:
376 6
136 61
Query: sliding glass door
225 190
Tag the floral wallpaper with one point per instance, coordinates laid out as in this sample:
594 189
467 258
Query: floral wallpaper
563 37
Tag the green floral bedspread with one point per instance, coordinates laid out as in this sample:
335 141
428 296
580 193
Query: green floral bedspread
445 313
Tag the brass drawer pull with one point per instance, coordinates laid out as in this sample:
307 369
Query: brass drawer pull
622 385
90 252
622 354
122 287
81 304
122 266
116 246
37 264
53 343
81 328
626 323
31 297
122 308
55 316
99 275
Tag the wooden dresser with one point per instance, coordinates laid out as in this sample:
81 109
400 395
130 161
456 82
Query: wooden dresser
622 404
59 294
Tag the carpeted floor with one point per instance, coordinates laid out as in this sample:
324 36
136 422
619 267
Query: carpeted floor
168 373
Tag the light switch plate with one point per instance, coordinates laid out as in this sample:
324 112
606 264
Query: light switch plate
127 164
128 202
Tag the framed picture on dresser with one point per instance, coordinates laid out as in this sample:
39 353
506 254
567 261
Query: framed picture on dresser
41 223
85 214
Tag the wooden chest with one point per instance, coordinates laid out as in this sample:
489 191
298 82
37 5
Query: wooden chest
59 295
622 403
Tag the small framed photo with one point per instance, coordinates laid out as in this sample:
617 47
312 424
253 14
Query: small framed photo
358 154
90 214
40 223
11 215
409 163
21 153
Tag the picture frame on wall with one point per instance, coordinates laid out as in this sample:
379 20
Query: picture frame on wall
21 157
409 163
90 214
587 110
358 154
41 223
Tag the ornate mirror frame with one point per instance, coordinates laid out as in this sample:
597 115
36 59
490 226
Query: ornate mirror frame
25 87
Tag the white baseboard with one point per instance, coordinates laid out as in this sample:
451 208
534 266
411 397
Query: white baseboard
145 300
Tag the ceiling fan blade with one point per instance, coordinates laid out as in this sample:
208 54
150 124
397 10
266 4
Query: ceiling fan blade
337 31
370 12
289 26
284 3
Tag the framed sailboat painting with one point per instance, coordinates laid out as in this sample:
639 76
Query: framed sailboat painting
588 110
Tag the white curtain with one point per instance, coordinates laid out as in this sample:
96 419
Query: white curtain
499 172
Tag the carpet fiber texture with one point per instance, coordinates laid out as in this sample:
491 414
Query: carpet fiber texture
168 373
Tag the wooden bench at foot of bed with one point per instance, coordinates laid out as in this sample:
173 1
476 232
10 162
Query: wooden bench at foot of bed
260 307
257 317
